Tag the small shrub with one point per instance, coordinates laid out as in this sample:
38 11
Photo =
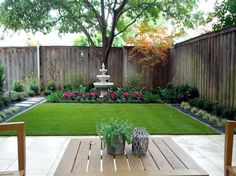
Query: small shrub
187 107
194 110
197 102
229 113
47 92
2 77
201 113
206 116
20 96
213 119
151 98
156 91
18 86
54 97
32 83
31 93
193 93
67 87
133 81
208 105
218 110
89 86
183 104
51 86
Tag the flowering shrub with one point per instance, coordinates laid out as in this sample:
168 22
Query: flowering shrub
126 95
113 95
134 95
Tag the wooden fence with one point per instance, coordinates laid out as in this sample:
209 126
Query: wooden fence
66 64
20 62
209 63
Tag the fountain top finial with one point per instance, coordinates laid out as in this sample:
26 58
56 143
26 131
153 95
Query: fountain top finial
103 66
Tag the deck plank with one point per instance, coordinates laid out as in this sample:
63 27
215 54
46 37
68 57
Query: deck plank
134 161
170 157
68 158
182 155
80 165
95 156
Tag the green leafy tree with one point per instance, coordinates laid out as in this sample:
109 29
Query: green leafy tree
225 13
109 17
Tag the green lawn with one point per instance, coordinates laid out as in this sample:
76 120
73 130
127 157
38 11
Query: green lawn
80 119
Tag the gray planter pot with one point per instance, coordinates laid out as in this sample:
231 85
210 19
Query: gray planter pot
118 148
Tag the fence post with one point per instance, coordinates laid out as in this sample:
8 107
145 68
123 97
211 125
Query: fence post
38 63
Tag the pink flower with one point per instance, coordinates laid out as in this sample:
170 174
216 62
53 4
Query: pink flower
125 94
95 94
134 95
80 94
89 94
114 95
66 95
73 94
140 95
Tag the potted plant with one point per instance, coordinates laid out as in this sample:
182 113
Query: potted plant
114 134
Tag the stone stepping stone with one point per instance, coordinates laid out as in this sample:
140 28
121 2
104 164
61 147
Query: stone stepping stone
23 104
29 102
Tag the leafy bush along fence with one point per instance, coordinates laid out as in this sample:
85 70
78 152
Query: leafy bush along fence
214 108
170 94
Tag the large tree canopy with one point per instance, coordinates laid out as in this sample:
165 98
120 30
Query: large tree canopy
225 13
109 17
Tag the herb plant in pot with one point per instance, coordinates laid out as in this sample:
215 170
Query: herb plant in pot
114 134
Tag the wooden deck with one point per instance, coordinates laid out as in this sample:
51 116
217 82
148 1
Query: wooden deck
164 157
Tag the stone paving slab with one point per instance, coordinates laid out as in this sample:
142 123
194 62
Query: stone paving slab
23 104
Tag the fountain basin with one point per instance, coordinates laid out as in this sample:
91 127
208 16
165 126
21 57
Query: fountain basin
103 84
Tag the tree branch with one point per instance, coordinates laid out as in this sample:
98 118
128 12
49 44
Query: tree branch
94 11
135 19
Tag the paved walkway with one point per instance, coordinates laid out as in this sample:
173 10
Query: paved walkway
44 153
30 102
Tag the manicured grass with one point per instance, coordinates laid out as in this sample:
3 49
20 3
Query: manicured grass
80 119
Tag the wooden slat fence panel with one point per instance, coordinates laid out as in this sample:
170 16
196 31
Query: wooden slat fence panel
209 63
19 62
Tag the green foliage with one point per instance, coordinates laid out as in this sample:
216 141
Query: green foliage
133 81
68 87
197 102
194 110
54 97
151 98
229 113
32 83
201 113
111 133
51 86
2 77
87 16
31 92
175 94
225 12
18 86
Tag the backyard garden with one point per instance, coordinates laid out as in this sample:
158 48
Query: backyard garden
166 88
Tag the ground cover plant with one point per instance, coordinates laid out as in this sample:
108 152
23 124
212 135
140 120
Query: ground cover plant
81 119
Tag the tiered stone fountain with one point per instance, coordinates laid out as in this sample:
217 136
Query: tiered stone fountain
103 84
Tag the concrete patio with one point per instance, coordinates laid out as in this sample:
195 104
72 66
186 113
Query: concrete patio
44 153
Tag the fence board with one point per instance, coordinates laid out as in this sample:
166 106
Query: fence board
212 60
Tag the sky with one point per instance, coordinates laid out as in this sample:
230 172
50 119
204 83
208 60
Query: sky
20 38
